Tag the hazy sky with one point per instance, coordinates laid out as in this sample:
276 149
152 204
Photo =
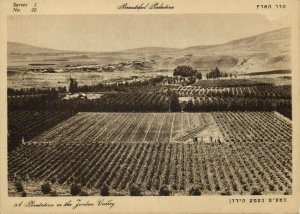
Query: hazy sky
120 32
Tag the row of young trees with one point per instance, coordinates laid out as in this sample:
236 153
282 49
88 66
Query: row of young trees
230 83
234 167
274 92
209 104
266 127
76 189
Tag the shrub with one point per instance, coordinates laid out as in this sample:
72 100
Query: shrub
75 189
287 192
53 193
46 188
195 190
24 194
245 187
226 191
272 187
234 186
165 190
135 190
19 186
83 193
104 191
174 186
256 190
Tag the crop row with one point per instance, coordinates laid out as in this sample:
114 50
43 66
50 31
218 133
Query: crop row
215 167
254 127
229 83
125 127
275 92
211 104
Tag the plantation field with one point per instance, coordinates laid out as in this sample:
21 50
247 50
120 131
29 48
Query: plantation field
275 92
228 95
130 127
170 127
28 124
218 168
236 153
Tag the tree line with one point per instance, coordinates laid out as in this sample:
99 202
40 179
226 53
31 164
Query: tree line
120 86
147 101
210 104
35 91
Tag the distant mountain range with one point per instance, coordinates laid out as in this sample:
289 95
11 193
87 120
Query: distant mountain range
267 51
19 48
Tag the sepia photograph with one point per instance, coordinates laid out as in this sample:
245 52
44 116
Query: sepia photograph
149 105
106 106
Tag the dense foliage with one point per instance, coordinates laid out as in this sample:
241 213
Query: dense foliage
229 83
121 86
156 95
136 100
184 71
32 91
266 91
139 101
216 73
210 104
28 124
260 97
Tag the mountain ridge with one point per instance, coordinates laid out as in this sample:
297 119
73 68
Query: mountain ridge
147 49
262 52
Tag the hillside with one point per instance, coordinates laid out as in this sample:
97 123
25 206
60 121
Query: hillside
19 48
268 51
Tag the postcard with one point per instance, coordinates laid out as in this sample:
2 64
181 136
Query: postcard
107 106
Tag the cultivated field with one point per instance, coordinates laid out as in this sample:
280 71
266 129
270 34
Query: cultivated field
236 153
170 127
275 92
129 127
28 124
